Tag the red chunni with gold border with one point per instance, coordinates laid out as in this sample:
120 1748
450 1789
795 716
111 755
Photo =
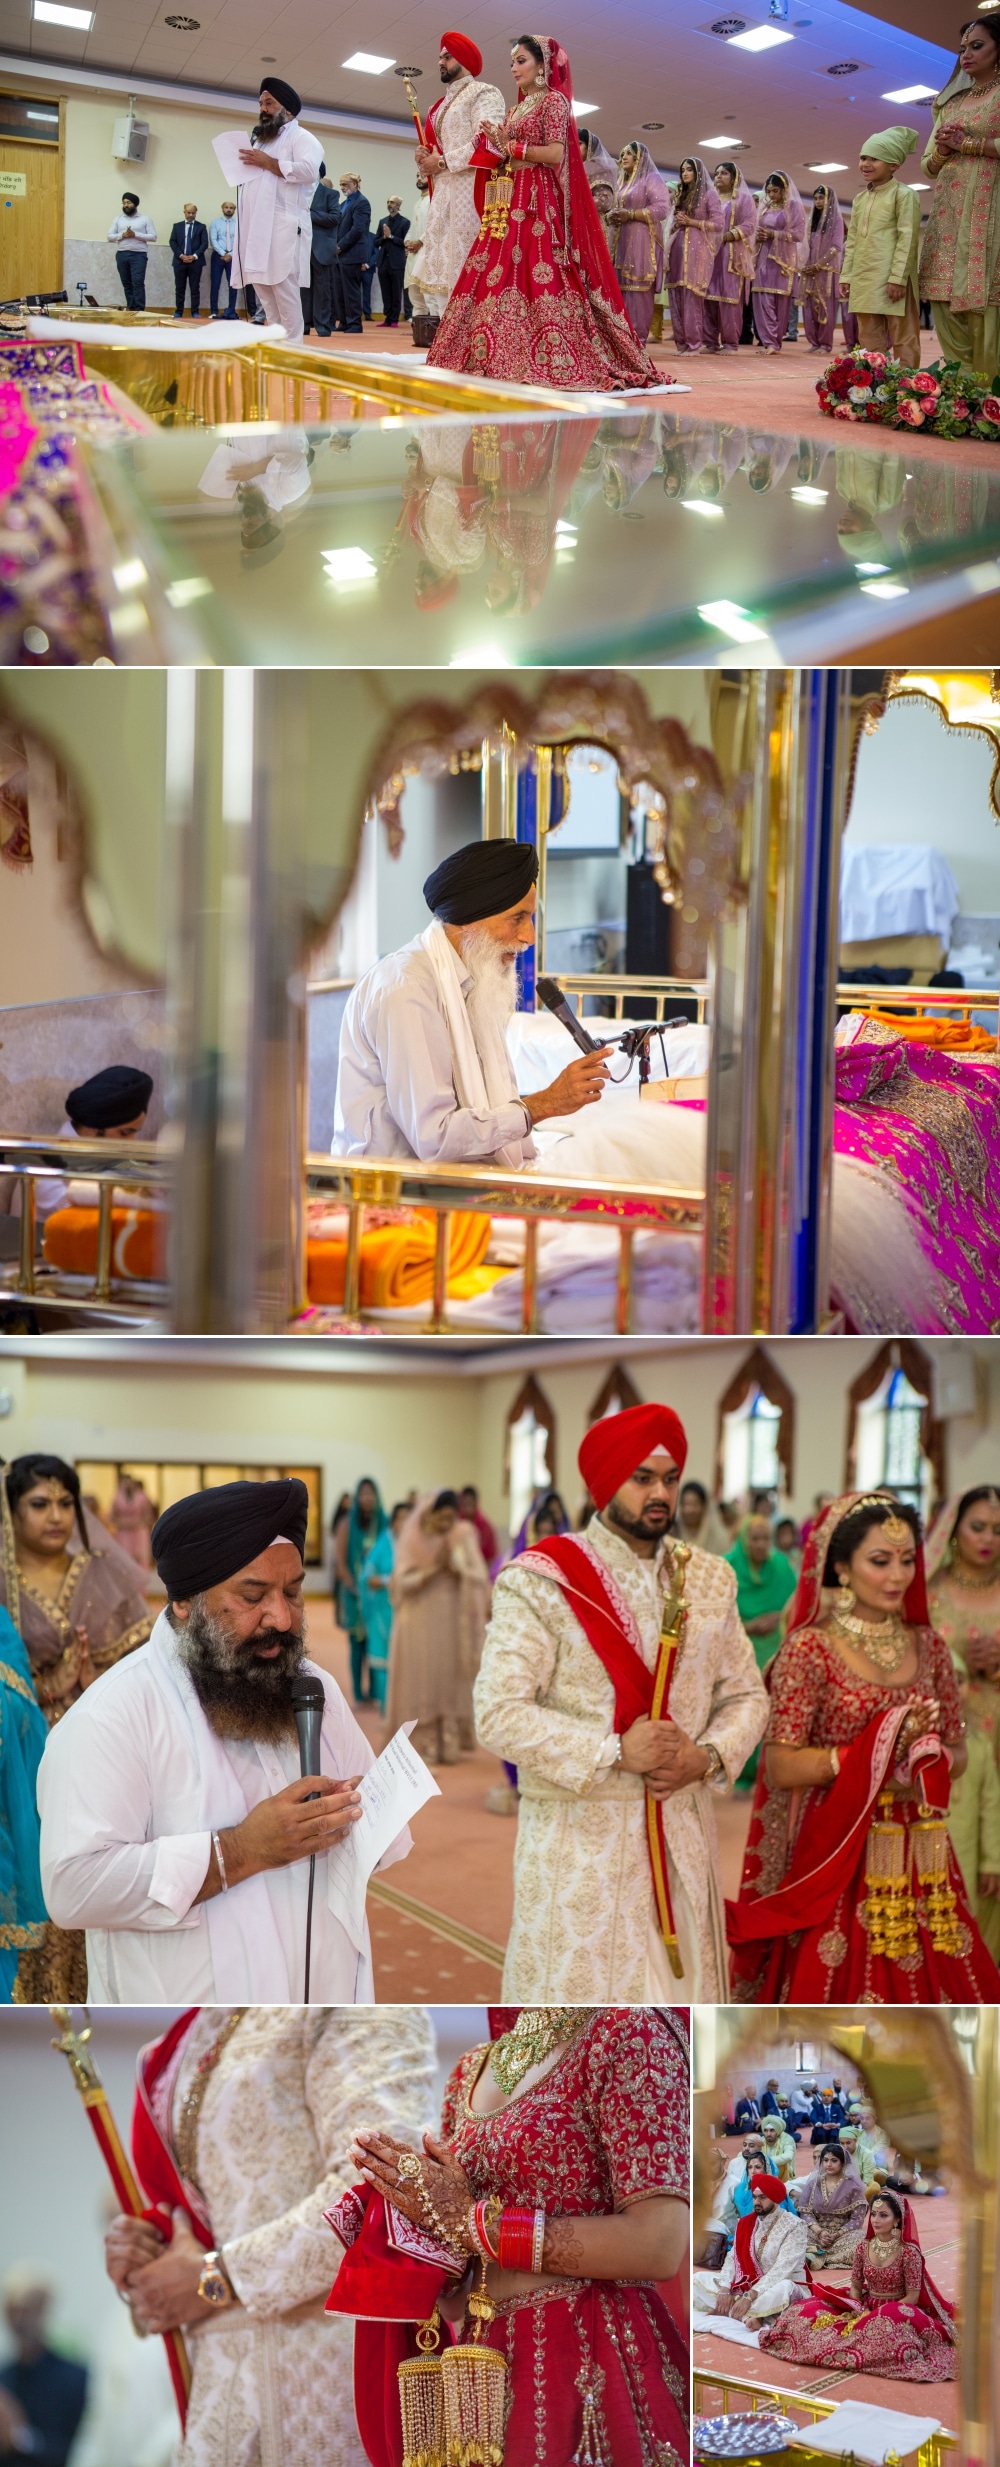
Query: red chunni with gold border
522 308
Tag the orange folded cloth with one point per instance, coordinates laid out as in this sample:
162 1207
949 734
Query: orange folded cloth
397 1262
138 1243
951 1036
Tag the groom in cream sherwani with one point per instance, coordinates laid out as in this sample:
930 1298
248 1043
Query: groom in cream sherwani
424 1068
586 1928
452 125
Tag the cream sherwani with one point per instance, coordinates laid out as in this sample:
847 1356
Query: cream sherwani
452 219
585 1929
778 2245
272 2381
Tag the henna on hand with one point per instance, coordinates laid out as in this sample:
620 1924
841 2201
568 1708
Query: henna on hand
562 2249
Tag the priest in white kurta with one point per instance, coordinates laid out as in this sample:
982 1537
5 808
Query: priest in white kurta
273 221
176 1827
424 1068
261 2152
585 1927
452 127
766 2269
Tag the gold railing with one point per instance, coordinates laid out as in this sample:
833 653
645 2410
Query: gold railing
250 381
122 1170
768 2398
530 1197
925 1001
659 992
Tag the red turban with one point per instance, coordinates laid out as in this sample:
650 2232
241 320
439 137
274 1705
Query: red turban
771 2185
613 1448
462 48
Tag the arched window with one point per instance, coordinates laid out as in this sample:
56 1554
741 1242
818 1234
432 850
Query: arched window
530 1462
756 1433
617 1395
894 1437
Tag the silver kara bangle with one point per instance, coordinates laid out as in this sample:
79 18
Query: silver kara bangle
217 1847
537 2241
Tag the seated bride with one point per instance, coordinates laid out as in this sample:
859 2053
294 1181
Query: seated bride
891 2320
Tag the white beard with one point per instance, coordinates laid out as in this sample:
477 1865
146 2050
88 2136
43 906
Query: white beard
493 999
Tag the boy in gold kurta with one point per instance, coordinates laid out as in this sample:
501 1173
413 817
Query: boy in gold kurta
879 277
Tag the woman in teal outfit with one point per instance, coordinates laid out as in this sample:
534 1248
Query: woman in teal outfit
357 1537
375 1605
23 1732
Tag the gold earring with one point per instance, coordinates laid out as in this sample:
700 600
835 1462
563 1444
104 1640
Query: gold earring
847 1596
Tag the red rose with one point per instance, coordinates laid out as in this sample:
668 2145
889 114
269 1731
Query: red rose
990 408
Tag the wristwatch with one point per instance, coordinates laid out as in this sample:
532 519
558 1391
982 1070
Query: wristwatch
214 2286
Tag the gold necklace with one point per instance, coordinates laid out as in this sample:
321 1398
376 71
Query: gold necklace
885 1641
186 2135
973 1584
885 2248
535 2033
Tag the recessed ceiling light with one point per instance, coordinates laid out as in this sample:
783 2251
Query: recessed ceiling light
580 109
370 61
484 655
760 38
720 141
700 505
651 124
922 184
732 620
910 94
348 565
810 496
52 13
862 566
826 167
887 590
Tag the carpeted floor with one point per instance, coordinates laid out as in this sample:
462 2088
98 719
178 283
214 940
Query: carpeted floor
938 2218
439 1935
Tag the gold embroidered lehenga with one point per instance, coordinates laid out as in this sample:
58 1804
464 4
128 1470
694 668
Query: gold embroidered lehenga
100 1593
892 2321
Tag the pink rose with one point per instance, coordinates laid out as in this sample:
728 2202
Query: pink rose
990 408
960 407
912 414
845 411
922 382
878 360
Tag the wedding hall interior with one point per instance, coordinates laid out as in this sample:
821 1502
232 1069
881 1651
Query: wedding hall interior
250 497
782 1426
917 2094
779 889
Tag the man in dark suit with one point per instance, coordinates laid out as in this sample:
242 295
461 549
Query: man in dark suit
317 302
352 244
391 258
747 2113
42 2394
189 248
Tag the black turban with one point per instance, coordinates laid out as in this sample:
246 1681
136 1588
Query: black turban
201 1540
112 1096
285 95
481 880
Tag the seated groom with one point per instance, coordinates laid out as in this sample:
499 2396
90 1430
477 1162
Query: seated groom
176 1826
766 2269
424 1066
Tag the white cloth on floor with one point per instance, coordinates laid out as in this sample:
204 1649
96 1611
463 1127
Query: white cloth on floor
720 2325
132 1784
871 2434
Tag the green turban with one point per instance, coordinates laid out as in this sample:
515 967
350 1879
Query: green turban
892 145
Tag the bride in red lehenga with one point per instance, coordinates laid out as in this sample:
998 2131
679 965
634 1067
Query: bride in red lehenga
851 1892
537 301
891 2320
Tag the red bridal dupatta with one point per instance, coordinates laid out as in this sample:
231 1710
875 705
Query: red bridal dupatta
807 1938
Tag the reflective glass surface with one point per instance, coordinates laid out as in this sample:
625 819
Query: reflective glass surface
646 534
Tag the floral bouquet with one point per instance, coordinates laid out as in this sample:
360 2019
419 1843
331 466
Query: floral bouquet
947 400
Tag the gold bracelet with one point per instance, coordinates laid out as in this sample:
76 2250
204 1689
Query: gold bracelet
834 1756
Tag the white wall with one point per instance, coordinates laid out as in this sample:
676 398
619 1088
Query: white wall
918 781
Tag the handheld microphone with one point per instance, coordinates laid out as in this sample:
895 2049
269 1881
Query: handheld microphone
548 992
308 1703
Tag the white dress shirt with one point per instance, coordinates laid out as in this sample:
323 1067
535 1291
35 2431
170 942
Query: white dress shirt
131 1786
142 231
396 1091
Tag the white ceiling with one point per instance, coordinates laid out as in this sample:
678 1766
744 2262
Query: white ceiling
647 60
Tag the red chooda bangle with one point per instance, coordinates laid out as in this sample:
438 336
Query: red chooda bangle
517 2236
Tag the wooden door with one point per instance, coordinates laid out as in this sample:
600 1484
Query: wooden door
31 226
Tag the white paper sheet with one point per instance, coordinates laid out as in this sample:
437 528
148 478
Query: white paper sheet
391 1791
226 150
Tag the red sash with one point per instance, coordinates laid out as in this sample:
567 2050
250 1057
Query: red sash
594 1600
155 2164
748 2269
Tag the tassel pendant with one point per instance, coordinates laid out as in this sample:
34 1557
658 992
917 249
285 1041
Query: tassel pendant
929 1837
890 1910
421 2401
589 2450
497 204
474 2380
